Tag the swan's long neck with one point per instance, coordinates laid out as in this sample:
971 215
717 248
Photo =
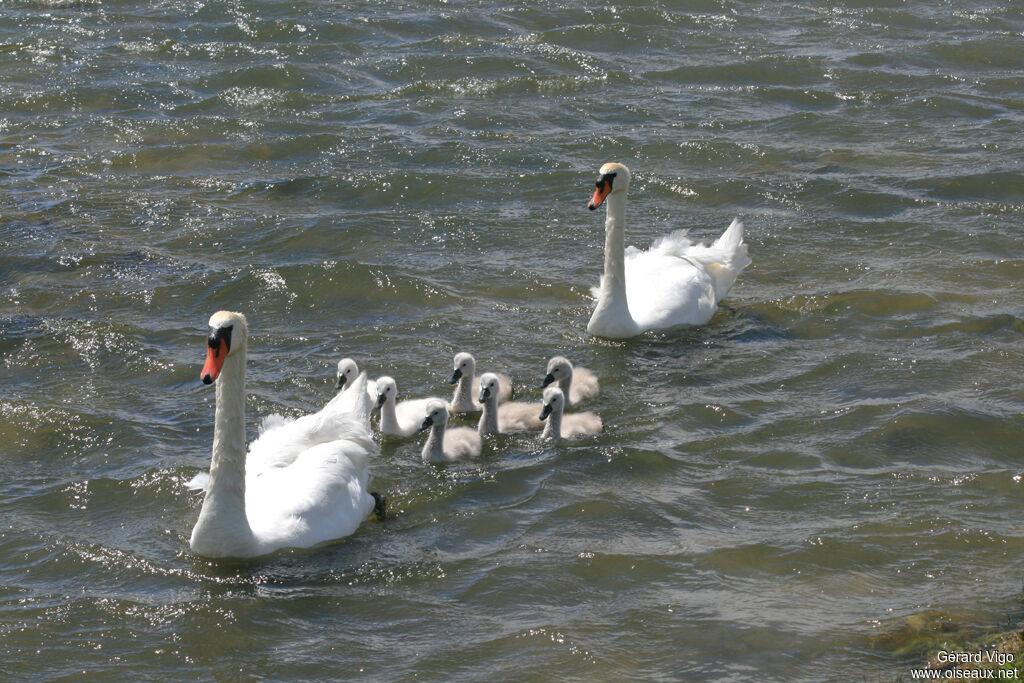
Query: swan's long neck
223 529
564 385
433 449
489 417
614 283
611 317
388 416
462 401
553 426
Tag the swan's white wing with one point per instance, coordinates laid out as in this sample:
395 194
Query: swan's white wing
321 496
664 289
346 416
271 422
281 441
200 482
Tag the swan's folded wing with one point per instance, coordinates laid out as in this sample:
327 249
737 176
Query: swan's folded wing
665 290
280 441
272 421
321 496
346 416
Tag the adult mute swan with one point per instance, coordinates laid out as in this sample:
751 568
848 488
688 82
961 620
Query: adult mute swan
398 419
565 425
675 282
578 384
513 416
464 376
303 482
443 444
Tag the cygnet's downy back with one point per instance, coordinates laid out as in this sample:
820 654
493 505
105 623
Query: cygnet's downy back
561 425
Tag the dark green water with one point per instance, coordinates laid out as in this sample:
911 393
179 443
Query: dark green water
777 494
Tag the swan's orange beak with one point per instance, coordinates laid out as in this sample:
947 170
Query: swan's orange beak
604 189
216 352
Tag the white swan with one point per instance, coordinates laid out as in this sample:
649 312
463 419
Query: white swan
398 419
464 376
443 444
675 282
513 416
565 425
303 482
578 384
347 373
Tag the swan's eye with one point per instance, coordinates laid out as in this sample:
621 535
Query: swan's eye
606 178
218 335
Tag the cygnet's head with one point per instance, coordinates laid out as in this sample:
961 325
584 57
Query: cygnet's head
437 414
347 371
554 402
465 365
488 386
611 178
386 389
559 368
228 333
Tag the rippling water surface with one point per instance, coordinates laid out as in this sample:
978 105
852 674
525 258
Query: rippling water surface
788 493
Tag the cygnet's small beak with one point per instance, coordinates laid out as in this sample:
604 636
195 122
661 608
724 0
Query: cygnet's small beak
548 379
427 424
341 382
545 411
485 394
456 376
381 399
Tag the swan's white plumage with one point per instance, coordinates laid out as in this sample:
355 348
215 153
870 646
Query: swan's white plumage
576 382
398 419
301 483
447 445
464 399
281 440
562 425
674 283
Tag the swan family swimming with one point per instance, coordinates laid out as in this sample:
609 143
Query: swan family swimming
305 481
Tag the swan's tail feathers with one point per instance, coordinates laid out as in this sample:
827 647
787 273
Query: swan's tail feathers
726 258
